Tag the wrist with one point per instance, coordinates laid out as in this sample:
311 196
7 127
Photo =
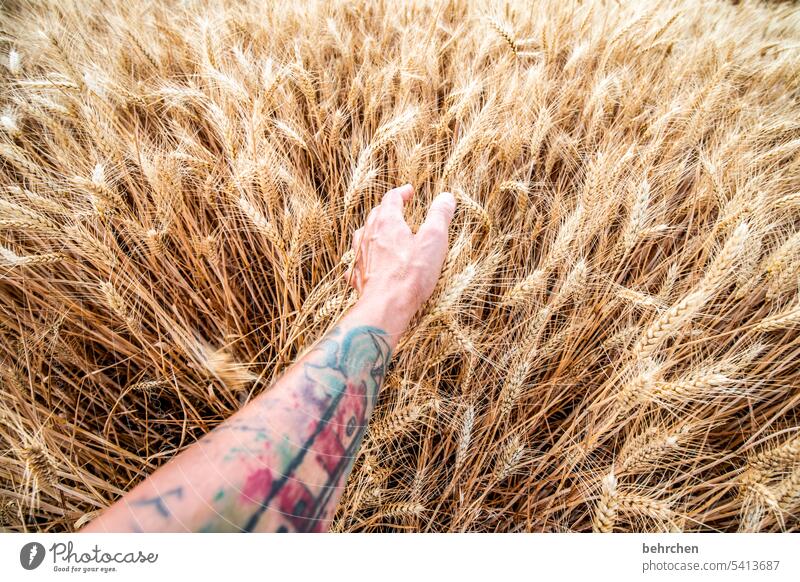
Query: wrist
390 309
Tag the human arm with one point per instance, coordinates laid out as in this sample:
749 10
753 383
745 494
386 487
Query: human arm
280 464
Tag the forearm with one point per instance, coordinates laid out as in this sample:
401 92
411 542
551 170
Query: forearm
280 464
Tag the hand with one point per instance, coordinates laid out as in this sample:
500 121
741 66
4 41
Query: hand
392 263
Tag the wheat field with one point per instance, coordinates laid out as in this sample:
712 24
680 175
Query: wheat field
614 342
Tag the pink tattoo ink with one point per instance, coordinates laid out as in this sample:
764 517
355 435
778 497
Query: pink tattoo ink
257 486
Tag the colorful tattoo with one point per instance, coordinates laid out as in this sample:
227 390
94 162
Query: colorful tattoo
300 476
288 480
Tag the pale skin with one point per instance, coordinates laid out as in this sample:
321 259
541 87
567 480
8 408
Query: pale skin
280 463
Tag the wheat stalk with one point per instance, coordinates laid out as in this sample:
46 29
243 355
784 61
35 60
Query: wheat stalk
509 459
465 436
398 423
402 510
638 216
652 508
147 385
506 34
782 455
40 471
646 449
263 225
526 287
512 388
668 324
788 319
605 512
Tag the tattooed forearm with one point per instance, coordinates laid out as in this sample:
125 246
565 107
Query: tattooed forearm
332 400
280 463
